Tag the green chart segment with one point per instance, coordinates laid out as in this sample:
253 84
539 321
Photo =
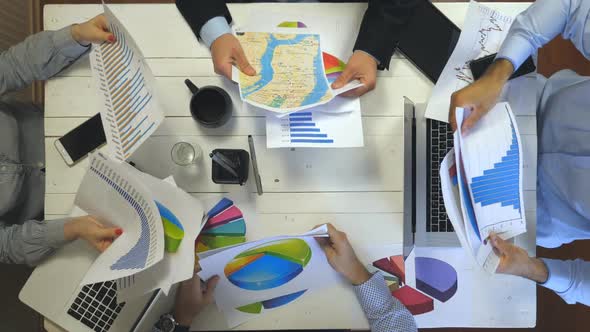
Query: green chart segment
269 265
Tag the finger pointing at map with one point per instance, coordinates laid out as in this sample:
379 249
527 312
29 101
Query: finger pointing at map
227 51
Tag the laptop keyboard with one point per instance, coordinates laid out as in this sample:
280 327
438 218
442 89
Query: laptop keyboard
96 306
440 141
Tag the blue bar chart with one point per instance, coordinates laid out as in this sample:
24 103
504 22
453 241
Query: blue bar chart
316 129
130 112
492 160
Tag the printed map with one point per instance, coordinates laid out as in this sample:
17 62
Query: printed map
290 71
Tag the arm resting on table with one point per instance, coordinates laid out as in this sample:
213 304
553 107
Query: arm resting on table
384 312
30 242
569 279
38 57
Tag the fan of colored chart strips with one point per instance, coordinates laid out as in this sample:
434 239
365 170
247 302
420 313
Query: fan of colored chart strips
434 279
225 226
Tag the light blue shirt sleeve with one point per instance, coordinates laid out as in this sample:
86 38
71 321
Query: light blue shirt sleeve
543 21
213 29
569 279
384 312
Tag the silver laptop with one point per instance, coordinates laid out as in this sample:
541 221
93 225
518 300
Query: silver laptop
54 291
426 142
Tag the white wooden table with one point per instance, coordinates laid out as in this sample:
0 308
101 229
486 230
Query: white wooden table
359 190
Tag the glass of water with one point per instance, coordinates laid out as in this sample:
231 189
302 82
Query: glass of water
185 154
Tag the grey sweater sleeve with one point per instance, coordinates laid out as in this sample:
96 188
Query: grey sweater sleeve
30 242
38 57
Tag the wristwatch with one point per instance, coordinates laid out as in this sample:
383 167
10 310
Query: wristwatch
167 323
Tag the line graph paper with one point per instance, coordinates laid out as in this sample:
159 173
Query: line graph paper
488 37
483 33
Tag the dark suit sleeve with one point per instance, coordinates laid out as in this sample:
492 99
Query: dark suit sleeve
198 12
381 28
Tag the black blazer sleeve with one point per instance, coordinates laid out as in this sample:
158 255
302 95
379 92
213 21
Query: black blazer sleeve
381 28
198 12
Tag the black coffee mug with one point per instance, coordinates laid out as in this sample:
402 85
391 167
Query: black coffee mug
210 106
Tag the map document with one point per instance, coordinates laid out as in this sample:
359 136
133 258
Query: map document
290 73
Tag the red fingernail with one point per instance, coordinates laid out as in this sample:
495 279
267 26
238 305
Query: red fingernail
118 231
112 38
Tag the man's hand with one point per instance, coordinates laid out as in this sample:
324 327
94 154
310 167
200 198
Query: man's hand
516 261
341 256
361 66
227 51
482 95
191 299
94 31
91 230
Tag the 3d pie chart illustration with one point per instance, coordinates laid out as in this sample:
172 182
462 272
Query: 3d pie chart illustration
173 230
292 24
332 66
435 279
225 226
269 265
257 307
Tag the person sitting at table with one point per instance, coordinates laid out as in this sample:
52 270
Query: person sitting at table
24 236
563 203
384 312
375 44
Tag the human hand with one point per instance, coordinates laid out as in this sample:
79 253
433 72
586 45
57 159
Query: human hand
361 66
481 95
191 299
516 261
341 256
226 51
91 230
94 31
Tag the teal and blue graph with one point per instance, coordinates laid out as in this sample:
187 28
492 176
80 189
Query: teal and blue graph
303 129
500 184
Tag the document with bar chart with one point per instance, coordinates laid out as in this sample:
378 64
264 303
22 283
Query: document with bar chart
130 111
316 129
110 192
487 171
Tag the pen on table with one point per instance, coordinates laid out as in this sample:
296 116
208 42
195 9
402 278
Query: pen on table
228 165
255 165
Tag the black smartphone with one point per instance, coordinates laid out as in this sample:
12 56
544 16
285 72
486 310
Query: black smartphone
81 140
428 40
479 66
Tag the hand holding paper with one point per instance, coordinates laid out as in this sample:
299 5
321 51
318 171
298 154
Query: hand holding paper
516 261
342 257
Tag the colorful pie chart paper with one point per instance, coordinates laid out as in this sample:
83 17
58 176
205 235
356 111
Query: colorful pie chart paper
260 271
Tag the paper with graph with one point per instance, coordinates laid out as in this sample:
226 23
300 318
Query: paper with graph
481 180
483 33
130 111
181 215
266 274
110 192
317 129
290 73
